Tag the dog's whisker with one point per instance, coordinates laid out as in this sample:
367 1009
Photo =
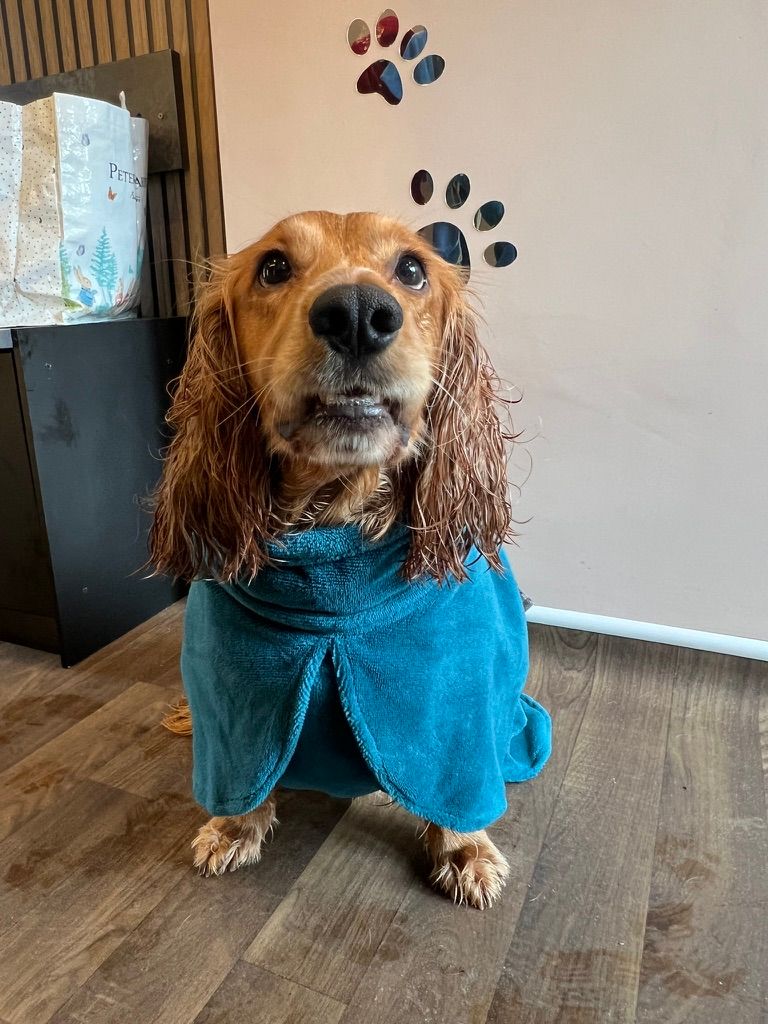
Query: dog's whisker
250 401
237 370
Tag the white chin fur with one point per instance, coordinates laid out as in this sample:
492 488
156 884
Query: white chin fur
357 450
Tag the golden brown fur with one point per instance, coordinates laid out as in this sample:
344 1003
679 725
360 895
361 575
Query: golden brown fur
232 483
246 461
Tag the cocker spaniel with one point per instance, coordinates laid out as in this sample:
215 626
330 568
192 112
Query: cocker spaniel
335 387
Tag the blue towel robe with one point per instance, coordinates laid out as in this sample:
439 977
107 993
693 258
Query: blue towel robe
330 671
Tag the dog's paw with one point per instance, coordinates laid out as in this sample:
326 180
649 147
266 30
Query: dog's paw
383 76
178 718
213 849
226 844
473 874
448 238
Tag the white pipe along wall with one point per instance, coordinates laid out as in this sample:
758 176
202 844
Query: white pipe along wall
627 143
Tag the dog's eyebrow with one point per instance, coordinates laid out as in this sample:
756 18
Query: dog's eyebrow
386 246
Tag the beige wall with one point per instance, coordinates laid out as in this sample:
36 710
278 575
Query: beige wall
628 142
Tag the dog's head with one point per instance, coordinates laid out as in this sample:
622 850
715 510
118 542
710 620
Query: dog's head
334 374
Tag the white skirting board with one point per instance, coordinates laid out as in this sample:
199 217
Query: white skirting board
740 646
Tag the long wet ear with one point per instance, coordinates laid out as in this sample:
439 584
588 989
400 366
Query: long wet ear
461 495
212 507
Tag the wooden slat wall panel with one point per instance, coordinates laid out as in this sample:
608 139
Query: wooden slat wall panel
100 20
137 12
205 111
186 222
13 41
85 34
121 40
63 12
177 250
51 55
5 66
31 35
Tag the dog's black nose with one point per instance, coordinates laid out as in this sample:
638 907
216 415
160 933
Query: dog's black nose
356 320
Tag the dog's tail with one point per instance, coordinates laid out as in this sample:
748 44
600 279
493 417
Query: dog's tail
179 719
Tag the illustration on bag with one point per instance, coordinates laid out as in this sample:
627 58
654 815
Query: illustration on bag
104 283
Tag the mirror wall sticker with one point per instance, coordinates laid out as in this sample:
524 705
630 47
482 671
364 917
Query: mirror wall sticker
359 37
500 254
413 42
387 27
489 215
457 192
428 69
383 76
422 187
449 241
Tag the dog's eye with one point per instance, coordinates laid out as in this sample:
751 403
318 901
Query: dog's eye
410 272
274 268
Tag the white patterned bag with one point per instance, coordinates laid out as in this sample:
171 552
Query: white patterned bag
140 147
81 212
10 187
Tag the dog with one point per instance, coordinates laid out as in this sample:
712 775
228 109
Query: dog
335 388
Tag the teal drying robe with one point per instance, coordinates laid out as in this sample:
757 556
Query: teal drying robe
330 671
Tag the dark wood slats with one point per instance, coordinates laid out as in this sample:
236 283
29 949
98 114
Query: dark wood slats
15 64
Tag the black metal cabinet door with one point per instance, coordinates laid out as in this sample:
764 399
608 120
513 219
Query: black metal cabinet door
27 601
95 397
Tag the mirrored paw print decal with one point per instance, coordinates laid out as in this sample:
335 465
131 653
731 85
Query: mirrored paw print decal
382 76
447 238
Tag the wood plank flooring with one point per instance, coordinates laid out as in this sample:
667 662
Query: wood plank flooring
639 886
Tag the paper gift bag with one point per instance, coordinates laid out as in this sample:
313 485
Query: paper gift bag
82 204
10 187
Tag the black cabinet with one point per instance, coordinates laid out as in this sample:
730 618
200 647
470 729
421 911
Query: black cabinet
82 413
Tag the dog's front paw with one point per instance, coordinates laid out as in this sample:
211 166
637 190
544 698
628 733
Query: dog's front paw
214 849
467 868
226 844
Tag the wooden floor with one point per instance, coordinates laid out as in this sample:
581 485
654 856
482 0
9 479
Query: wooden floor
638 889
